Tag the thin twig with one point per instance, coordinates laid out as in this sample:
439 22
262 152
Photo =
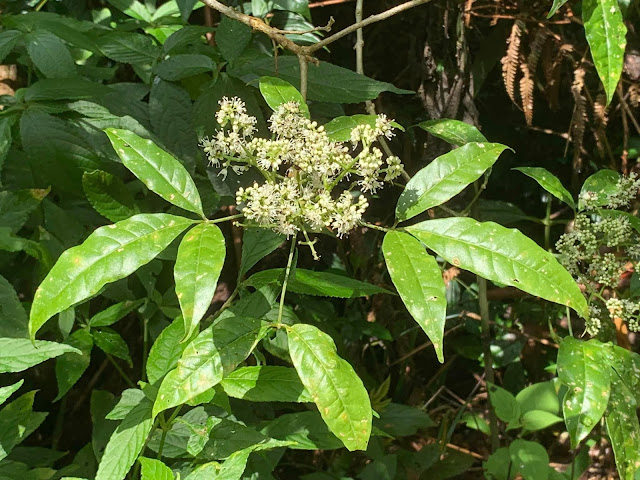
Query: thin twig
485 328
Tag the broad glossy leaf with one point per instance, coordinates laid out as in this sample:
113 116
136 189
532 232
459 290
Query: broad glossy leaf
534 420
277 91
199 262
310 282
133 8
549 182
16 207
157 169
606 34
71 366
166 351
598 187
418 278
18 354
126 443
445 177
502 255
530 459
214 353
6 392
585 368
111 343
623 429
453 131
109 254
539 396
334 386
265 384
257 243
232 37
112 314
339 129
627 365
327 82
154 469
178 67
108 195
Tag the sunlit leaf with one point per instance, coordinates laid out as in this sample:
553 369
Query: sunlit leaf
277 91
18 354
334 386
453 131
418 278
550 183
266 384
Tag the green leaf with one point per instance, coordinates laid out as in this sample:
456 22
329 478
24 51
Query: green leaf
50 55
154 470
126 443
445 177
71 366
112 343
6 392
606 34
555 7
277 91
6 138
64 89
549 182
133 8
116 312
334 386
16 207
178 67
623 429
453 131
339 129
214 353
534 420
109 254
257 243
108 195
128 47
418 278
539 396
232 37
17 422
530 459
186 7
402 420
265 384
306 431
157 169
166 351
171 115
18 354
501 255
13 319
323 284
504 404
199 262
8 39
584 367
597 188
327 82
129 399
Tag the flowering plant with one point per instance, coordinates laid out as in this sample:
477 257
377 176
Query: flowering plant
303 169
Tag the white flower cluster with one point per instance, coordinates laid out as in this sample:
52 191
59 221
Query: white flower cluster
302 168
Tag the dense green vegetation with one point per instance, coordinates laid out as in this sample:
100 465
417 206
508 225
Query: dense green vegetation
227 253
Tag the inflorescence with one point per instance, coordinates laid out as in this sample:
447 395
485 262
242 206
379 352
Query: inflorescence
600 248
304 171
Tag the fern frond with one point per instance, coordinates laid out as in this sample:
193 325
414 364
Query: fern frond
511 60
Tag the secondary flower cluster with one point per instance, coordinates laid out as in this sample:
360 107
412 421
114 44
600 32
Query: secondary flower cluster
303 169
601 247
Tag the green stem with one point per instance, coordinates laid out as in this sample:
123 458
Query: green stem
145 346
224 219
165 429
375 227
479 191
286 280
488 361
547 226
122 373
